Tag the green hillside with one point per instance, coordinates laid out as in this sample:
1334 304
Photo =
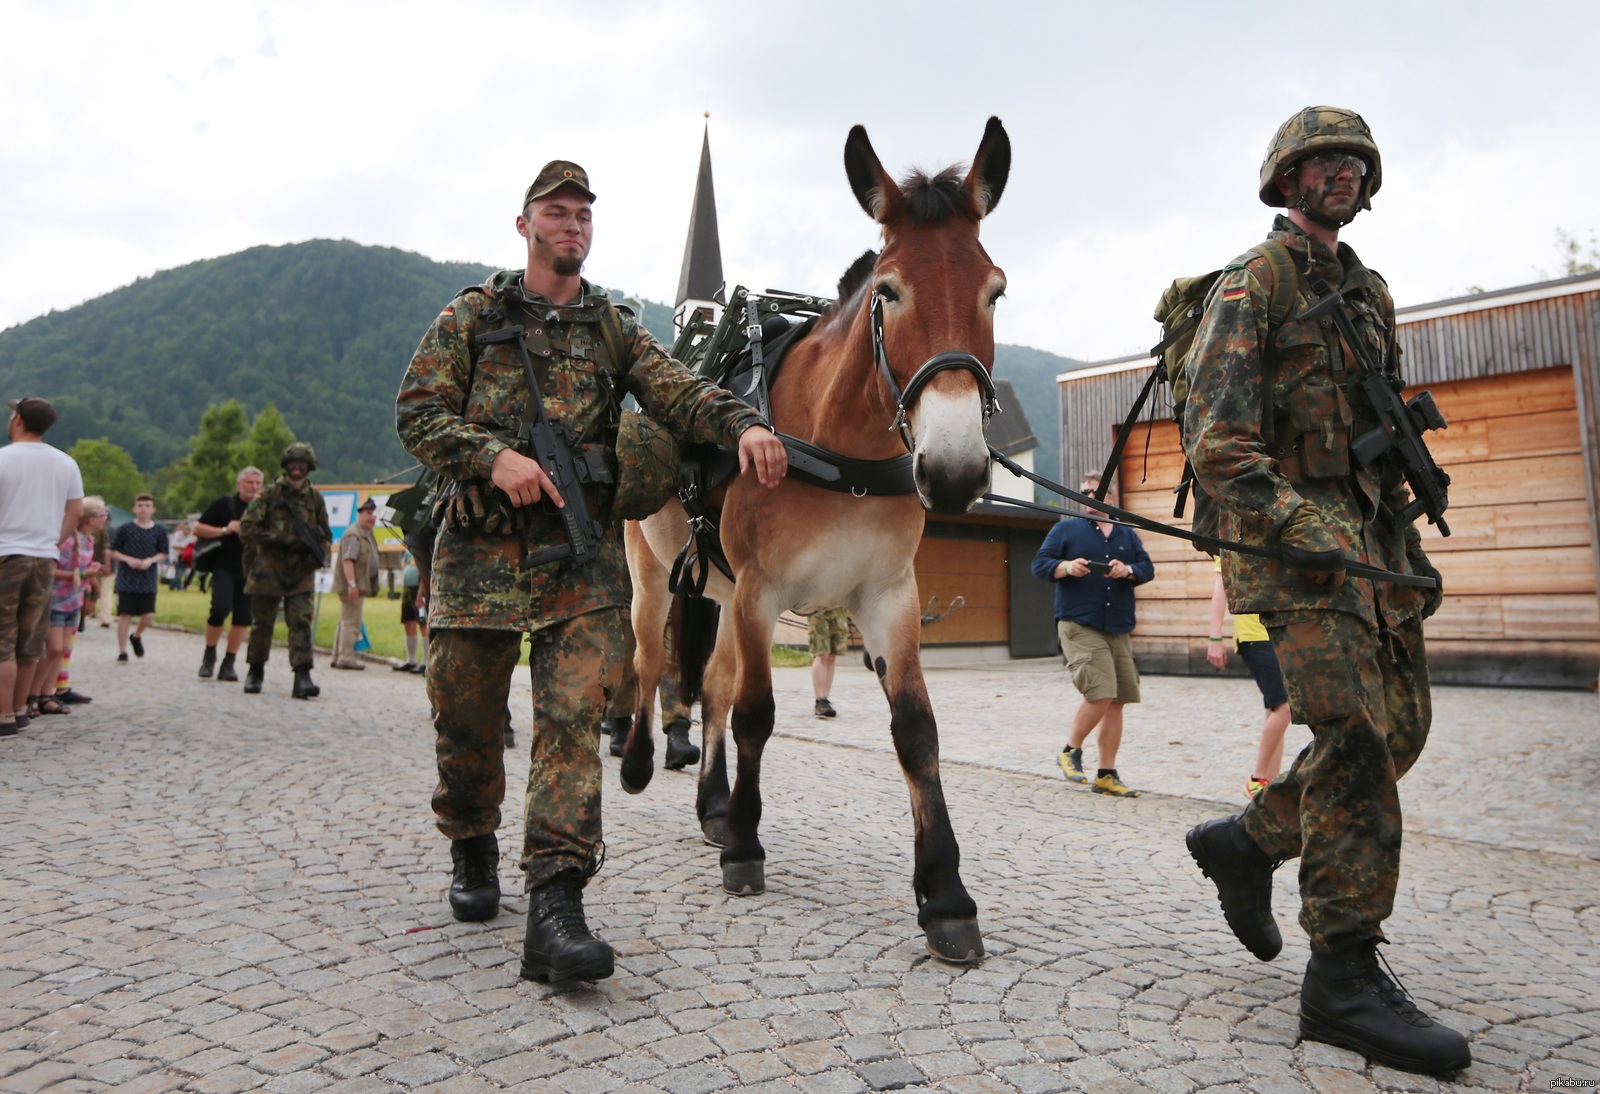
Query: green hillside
321 329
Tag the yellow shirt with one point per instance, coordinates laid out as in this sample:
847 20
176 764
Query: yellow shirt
1247 627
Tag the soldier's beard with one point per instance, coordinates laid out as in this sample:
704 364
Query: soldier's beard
1330 212
561 264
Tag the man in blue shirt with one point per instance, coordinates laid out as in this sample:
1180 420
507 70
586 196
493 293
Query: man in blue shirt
1095 565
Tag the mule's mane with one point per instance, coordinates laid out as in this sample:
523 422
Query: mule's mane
928 199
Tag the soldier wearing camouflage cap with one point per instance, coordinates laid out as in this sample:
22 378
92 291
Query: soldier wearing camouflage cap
1268 426
286 537
458 412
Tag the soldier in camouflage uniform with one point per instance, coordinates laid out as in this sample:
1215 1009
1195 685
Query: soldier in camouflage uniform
1352 654
459 409
279 565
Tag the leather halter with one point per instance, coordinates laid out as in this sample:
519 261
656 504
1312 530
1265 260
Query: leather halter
939 362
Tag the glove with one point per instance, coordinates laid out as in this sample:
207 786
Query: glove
1310 547
1431 598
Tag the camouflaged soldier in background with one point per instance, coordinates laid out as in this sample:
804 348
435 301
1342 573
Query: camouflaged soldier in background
458 411
1351 651
279 566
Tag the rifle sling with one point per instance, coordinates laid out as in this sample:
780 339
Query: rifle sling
1134 520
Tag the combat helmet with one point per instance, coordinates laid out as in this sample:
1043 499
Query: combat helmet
1320 129
299 450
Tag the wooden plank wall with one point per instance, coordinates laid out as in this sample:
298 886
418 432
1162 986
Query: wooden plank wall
1519 566
976 570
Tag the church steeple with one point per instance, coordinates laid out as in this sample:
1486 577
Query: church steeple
701 279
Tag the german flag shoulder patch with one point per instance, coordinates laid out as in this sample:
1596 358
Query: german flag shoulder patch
1237 292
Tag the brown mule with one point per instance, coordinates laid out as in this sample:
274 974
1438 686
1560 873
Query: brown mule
926 299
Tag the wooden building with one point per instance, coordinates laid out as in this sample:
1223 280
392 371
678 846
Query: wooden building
1517 374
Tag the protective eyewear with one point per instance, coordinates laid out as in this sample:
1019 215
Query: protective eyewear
1334 162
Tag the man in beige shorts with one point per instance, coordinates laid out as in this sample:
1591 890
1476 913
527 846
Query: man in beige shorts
828 635
1095 565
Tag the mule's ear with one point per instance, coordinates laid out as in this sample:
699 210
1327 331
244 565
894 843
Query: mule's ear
987 179
871 184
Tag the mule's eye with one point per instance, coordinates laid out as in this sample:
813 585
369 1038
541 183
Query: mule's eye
995 299
885 290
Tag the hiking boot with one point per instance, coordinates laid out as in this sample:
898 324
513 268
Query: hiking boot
303 687
825 709
1242 874
558 945
138 645
511 735
680 753
1349 1000
1111 783
1072 765
208 662
619 730
225 671
252 679
475 878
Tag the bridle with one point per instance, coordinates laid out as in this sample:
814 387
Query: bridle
939 362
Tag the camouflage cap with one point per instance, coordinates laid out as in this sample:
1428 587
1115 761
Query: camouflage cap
553 176
1314 130
299 450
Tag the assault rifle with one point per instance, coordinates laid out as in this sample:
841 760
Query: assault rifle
552 445
1400 424
305 536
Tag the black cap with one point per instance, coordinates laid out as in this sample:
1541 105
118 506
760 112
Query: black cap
553 176
37 414
368 506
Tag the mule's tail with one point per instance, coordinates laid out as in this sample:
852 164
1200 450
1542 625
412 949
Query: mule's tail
693 622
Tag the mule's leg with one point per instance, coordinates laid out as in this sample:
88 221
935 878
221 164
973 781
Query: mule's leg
754 614
711 800
651 602
890 624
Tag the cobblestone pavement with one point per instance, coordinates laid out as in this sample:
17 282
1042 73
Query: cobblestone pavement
207 891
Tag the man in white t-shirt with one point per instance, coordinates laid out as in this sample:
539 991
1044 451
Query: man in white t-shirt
41 496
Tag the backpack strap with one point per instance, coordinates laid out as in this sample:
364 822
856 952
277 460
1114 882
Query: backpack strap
1280 303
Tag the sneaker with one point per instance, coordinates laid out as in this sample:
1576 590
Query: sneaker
8 729
1072 765
825 709
138 645
73 697
1109 783
122 659
1254 786
401 668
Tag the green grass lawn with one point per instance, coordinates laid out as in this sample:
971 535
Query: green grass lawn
381 616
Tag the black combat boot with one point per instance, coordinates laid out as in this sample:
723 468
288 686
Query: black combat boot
680 753
511 734
1347 999
208 662
475 880
225 671
619 728
558 945
303 687
252 679
1243 876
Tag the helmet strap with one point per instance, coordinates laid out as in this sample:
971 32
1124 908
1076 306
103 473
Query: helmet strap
1304 205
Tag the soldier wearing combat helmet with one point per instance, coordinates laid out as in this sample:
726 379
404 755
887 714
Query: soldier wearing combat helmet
1268 426
286 537
494 578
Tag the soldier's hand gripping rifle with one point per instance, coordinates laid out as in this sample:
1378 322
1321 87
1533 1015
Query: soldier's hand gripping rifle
552 446
1400 424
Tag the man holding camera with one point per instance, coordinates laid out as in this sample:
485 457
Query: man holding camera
1270 423
497 575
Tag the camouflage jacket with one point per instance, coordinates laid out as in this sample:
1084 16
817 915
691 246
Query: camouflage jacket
1259 476
461 403
276 562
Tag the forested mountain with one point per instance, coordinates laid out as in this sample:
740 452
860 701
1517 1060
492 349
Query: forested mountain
321 329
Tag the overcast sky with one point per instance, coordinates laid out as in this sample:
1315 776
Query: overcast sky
143 136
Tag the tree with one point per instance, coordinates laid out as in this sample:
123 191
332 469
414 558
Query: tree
1576 258
210 469
108 471
269 436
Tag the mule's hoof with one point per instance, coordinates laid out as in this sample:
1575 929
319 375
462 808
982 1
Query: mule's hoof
636 775
955 940
714 830
746 878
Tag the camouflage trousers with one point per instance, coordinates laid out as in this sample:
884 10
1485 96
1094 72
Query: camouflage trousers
576 667
1364 692
296 615
673 708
